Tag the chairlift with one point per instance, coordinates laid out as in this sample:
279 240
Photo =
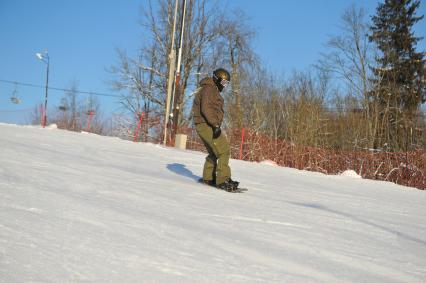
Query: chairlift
64 106
14 98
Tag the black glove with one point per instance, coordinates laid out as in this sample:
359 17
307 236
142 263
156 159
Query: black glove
216 132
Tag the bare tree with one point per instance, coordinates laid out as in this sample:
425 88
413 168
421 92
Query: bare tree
236 52
144 79
350 59
36 114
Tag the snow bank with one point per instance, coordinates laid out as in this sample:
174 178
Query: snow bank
78 208
350 174
268 162
52 127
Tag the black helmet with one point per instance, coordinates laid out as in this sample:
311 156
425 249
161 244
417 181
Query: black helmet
221 78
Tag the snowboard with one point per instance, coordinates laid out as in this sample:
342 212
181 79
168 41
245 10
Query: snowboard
237 190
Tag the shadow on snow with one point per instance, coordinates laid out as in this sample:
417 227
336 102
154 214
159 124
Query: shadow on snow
181 169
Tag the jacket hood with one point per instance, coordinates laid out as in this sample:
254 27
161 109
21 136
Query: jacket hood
207 81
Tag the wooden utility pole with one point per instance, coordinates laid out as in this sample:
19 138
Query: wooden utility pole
172 66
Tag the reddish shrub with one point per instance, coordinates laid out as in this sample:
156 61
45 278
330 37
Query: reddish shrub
404 168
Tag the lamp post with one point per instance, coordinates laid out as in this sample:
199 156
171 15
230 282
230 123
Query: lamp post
45 58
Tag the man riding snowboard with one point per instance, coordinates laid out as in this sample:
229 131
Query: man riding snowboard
208 115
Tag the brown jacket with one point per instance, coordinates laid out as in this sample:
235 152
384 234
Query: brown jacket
208 104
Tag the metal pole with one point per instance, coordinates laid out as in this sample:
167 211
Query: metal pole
176 96
181 36
172 62
47 86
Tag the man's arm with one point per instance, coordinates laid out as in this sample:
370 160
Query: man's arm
208 109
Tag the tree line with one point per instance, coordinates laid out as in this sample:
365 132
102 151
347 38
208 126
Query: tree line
365 92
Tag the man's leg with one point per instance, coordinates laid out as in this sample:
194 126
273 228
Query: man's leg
219 152
222 152
209 170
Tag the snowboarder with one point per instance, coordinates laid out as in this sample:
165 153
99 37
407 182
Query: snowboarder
208 115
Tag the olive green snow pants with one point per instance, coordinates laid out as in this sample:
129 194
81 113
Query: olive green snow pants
216 165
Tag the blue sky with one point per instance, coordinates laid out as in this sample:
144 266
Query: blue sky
82 35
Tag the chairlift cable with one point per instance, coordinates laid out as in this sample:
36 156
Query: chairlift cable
60 89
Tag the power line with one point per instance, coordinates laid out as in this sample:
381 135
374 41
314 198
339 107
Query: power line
18 110
57 88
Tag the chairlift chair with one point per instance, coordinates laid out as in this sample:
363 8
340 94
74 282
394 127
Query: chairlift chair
63 108
14 98
64 105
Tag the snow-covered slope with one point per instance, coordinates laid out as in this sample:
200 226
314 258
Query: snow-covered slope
85 208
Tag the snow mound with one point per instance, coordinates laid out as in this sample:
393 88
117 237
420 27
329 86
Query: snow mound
52 127
268 162
350 174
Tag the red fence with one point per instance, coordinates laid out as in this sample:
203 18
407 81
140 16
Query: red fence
404 168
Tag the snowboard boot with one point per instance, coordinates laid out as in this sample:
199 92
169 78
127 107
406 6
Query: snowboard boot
234 183
228 186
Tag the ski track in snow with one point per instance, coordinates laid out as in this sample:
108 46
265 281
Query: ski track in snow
85 208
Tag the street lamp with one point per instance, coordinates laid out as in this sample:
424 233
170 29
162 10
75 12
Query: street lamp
45 58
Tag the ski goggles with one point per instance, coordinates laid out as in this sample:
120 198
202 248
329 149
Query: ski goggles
224 83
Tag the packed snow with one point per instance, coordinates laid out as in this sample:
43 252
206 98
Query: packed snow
85 208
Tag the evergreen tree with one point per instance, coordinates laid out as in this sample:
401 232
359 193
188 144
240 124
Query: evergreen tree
400 72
